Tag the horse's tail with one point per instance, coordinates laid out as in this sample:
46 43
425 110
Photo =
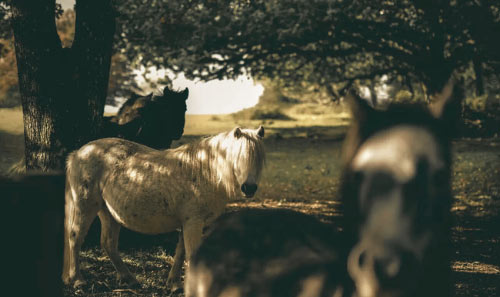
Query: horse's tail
69 216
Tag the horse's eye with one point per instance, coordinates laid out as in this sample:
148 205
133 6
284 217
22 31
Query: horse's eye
357 177
381 184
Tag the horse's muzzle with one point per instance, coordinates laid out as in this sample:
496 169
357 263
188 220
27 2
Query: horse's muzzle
249 189
379 271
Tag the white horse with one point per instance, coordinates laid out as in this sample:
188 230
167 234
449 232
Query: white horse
153 192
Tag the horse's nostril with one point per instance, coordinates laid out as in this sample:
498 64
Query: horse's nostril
362 259
249 188
387 269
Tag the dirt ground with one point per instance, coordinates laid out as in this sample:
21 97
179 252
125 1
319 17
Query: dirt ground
302 173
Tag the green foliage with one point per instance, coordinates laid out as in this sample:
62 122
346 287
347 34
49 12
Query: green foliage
9 91
66 27
320 42
5 31
404 96
313 49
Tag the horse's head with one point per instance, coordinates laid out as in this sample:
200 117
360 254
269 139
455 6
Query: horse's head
249 158
397 196
154 120
131 110
170 111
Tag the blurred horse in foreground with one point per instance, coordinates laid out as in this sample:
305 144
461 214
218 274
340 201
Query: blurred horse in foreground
152 192
396 190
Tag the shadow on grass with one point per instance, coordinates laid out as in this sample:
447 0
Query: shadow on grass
476 262
130 240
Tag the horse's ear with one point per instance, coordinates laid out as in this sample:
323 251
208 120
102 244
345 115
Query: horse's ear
260 132
237 132
447 103
185 93
166 90
360 109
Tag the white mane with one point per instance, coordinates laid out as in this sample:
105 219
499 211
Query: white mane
214 158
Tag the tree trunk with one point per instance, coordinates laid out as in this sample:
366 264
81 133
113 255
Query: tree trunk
63 90
434 67
92 49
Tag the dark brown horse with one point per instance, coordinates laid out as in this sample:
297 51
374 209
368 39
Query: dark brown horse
268 253
397 196
150 120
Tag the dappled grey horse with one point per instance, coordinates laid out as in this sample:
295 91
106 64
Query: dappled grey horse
153 191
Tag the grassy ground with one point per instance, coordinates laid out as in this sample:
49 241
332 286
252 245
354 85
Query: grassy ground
11 137
302 173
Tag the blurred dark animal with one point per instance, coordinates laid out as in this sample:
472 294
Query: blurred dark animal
152 192
396 192
269 253
396 240
150 120
32 234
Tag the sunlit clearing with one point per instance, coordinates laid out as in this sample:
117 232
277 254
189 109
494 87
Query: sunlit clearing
213 97
220 96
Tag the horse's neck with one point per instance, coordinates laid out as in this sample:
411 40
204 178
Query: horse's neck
205 159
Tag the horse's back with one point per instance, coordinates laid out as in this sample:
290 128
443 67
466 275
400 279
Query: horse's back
90 165
107 152
263 252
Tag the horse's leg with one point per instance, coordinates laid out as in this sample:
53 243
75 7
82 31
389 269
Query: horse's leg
192 231
191 237
174 279
68 217
110 231
79 215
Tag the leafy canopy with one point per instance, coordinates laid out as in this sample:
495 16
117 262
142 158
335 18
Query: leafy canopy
321 41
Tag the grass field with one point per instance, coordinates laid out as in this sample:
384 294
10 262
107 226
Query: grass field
302 173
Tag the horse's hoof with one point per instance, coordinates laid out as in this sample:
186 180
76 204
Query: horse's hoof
79 283
176 289
129 281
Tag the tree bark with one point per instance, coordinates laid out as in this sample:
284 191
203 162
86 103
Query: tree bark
92 49
63 90
435 69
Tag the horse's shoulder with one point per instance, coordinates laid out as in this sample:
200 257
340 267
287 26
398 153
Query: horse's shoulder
105 146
